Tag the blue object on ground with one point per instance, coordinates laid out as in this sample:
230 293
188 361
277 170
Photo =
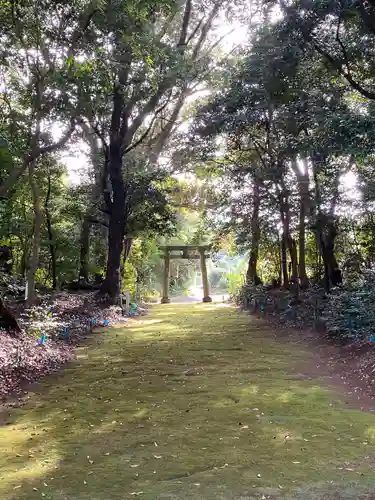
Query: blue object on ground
372 338
42 339
105 322
66 333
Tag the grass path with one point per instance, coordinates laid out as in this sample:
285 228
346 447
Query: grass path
192 402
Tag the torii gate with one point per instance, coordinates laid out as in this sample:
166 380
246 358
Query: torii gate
185 252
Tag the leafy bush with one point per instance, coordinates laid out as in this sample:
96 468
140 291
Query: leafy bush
235 282
350 312
347 313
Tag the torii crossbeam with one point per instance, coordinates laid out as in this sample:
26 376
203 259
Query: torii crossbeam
185 252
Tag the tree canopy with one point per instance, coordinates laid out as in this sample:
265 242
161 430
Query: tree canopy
269 141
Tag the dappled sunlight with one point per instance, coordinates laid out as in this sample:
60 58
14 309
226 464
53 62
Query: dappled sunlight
145 322
285 397
11 480
158 407
370 433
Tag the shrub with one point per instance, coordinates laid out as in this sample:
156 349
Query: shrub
350 312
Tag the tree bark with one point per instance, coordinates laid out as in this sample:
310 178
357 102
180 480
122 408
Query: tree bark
325 230
303 188
252 274
111 284
284 264
30 295
288 244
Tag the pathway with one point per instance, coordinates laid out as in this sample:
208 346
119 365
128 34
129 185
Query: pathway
192 402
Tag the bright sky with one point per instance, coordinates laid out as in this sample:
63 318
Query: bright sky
234 34
76 161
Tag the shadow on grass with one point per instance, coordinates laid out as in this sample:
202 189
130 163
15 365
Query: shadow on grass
191 402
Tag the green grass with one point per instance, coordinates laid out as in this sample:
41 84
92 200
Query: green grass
191 402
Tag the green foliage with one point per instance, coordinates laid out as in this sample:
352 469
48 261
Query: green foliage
129 278
349 312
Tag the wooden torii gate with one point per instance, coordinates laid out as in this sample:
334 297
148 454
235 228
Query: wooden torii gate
185 252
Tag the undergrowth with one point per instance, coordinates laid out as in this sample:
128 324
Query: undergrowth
347 312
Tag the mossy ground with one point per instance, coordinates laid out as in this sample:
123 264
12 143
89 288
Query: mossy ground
191 402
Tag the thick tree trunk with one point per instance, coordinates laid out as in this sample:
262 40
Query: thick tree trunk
327 235
326 232
103 252
85 250
111 284
252 274
34 258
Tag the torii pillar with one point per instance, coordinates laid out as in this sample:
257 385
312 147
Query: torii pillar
206 288
165 299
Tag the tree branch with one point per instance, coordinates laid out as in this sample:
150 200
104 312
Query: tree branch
206 28
29 158
83 24
346 74
148 130
182 42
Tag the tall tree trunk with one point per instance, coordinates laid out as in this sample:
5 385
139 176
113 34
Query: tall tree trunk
303 188
111 284
103 251
38 220
284 264
51 241
252 274
289 242
325 231
85 250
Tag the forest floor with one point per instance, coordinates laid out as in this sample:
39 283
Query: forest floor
194 401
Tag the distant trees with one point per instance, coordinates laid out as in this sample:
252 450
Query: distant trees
292 125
